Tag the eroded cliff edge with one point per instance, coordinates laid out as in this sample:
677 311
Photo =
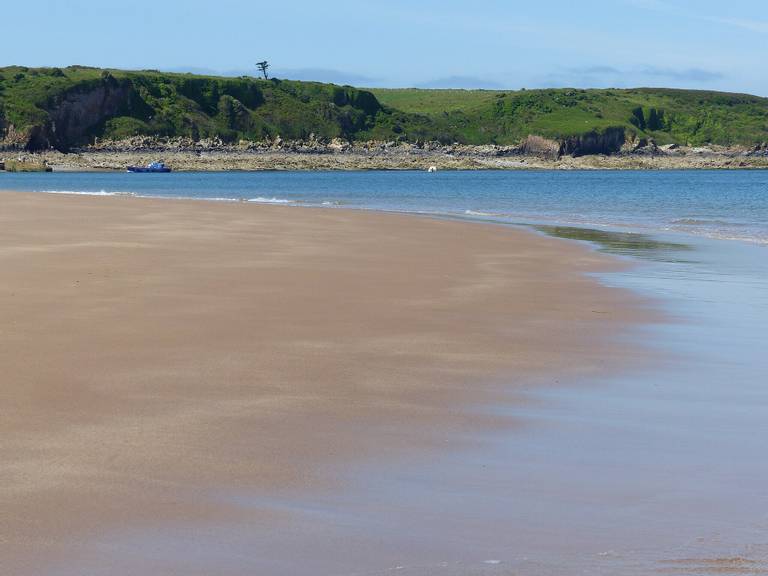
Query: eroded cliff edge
80 108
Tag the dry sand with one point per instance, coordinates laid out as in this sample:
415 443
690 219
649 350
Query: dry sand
155 351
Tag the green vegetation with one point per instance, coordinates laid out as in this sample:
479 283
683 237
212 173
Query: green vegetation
669 116
69 107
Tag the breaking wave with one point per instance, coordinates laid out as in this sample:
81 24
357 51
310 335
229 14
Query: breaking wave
262 200
88 193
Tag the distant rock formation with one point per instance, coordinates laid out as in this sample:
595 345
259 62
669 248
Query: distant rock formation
607 142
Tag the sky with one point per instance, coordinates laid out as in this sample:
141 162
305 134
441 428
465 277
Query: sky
704 44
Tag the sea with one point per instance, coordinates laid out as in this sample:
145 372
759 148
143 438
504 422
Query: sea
659 469
728 204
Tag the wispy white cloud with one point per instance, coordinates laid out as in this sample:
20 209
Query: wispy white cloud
760 26
649 4
466 82
751 24
696 75
601 76
327 75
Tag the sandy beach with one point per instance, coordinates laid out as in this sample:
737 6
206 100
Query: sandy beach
155 352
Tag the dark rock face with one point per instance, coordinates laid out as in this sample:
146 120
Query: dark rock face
72 118
607 142
79 112
37 139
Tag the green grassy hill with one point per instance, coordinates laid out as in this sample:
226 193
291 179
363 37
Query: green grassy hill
69 107
669 116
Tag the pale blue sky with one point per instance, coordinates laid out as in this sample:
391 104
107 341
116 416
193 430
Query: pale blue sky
481 43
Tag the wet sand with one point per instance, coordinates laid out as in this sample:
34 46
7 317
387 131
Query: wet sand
156 354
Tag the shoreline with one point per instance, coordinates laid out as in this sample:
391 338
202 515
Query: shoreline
349 157
190 346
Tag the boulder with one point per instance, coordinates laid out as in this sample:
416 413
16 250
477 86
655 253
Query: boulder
338 145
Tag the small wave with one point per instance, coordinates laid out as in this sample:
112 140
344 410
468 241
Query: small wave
703 222
331 203
716 235
262 200
478 213
88 193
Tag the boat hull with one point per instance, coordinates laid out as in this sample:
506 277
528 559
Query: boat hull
145 170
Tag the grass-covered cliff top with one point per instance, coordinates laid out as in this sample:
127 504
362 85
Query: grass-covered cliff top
71 106
68 107
669 116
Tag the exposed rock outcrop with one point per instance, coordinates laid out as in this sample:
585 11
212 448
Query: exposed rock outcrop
760 150
391 156
540 147
72 117
79 112
13 139
607 142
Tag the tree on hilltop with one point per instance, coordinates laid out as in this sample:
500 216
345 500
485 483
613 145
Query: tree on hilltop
263 66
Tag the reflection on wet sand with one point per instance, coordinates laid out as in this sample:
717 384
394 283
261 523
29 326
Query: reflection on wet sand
632 244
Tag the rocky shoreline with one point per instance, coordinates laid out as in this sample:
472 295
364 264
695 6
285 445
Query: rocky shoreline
534 153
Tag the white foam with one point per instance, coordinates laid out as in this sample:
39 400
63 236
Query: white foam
87 193
735 237
209 198
477 213
704 222
263 200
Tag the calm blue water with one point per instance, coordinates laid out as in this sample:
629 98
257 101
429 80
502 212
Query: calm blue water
660 470
716 204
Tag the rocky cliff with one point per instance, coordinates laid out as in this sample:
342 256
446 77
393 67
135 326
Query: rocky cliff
74 107
608 141
74 116
70 118
67 108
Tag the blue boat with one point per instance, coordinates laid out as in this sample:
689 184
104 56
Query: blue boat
154 167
